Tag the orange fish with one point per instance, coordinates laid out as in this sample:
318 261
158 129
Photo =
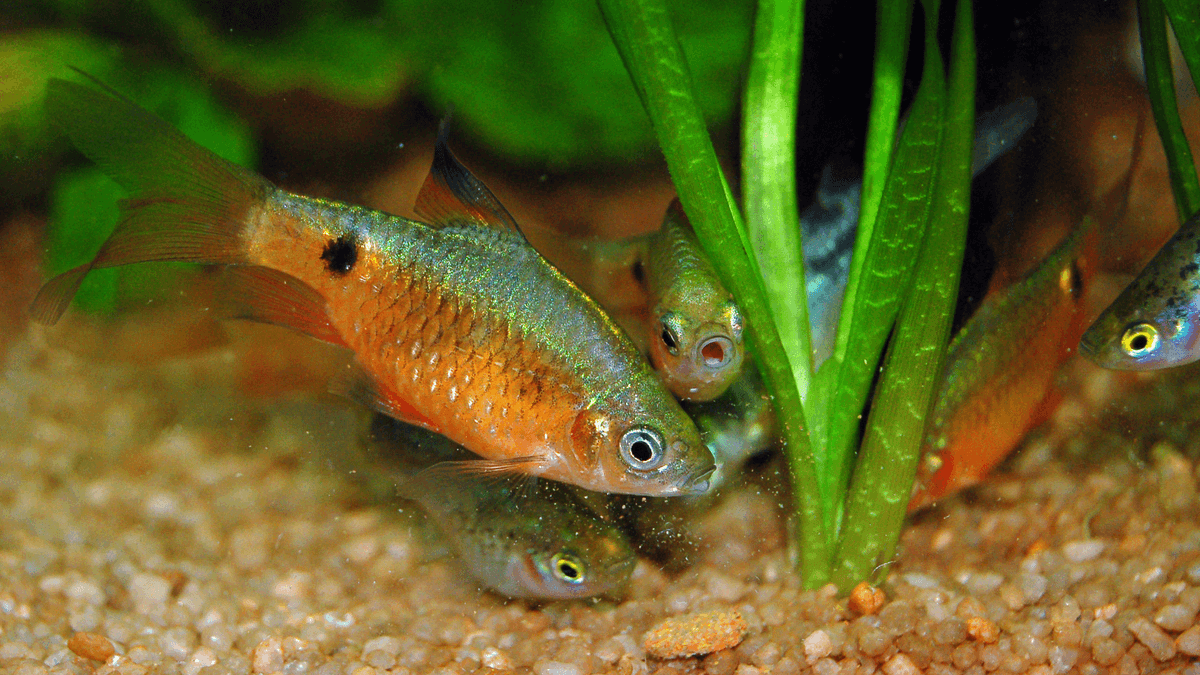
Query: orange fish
997 382
458 325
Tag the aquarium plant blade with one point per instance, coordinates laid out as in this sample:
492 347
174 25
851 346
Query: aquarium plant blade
769 174
1160 85
883 476
645 38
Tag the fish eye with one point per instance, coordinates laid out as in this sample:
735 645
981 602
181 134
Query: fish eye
642 449
1139 340
669 339
567 568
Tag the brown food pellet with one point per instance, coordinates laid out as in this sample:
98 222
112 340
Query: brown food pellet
694 634
866 599
982 630
91 646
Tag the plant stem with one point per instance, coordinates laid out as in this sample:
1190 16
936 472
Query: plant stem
1160 85
646 40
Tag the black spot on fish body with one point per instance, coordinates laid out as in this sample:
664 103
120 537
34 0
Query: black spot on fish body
1188 270
1076 280
340 254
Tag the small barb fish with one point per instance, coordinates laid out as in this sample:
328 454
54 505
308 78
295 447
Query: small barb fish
457 324
997 382
521 538
1155 322
695 331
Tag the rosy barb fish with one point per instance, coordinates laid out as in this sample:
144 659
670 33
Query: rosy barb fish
525 540
458 325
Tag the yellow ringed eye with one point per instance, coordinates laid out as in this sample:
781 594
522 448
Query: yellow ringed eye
568 568
1139 339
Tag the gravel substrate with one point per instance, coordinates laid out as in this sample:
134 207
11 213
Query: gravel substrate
154 519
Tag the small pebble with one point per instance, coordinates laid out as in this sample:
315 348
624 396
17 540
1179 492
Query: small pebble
866 599
900 664
982 630
817 646
1082 550
91 646
1175 618
1188 642
267 656
495 659
1158 642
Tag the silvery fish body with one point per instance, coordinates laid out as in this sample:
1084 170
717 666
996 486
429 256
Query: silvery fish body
521 538
1153 323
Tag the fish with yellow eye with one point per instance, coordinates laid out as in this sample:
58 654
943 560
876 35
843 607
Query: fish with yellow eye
695 330
457 324
1155 322
524 539
997 383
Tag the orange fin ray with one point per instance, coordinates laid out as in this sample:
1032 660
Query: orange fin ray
185 203
452 196
480 469
265 295
358 386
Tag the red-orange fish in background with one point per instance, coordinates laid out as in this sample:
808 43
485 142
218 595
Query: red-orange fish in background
458 324
998 379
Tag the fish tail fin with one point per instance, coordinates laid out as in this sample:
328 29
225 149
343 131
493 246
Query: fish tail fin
185 203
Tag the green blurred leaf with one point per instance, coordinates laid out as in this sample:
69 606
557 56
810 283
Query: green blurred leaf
542 81
27 60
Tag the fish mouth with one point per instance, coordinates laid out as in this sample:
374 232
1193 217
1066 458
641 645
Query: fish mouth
715 352
698 482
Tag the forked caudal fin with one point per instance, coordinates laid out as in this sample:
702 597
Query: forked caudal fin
185 203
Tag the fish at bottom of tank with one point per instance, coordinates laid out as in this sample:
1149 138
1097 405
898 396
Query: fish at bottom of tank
542 540
521 537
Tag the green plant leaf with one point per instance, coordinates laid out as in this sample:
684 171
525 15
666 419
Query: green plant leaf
1160 85
769 175
883 477
645 38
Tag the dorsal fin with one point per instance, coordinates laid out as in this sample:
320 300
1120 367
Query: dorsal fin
452 195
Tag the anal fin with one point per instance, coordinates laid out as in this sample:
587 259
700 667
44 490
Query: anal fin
358 386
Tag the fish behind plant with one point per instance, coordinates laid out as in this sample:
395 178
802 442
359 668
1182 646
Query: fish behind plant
1155 322
997 382
830 224
695 330
458 325
527 539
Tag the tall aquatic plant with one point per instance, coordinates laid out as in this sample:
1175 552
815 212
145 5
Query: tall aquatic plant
1160 85
904 276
